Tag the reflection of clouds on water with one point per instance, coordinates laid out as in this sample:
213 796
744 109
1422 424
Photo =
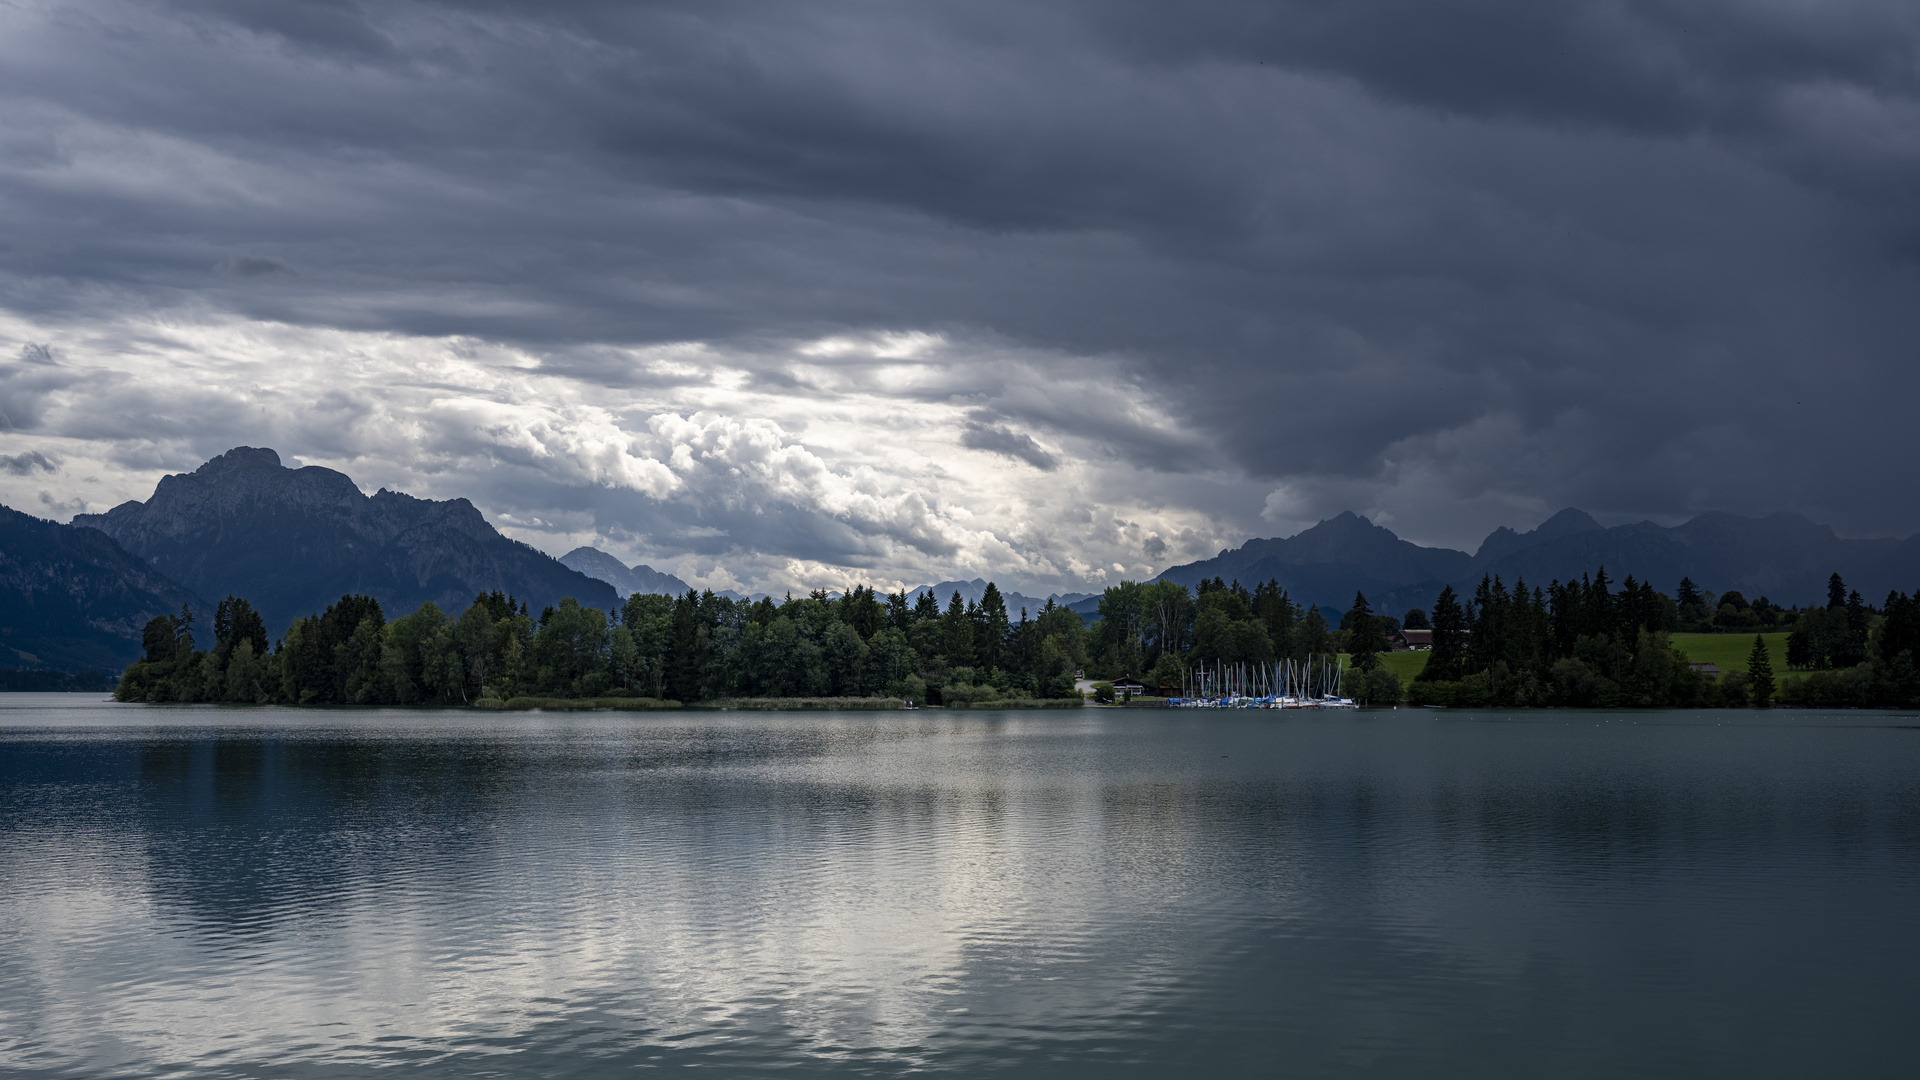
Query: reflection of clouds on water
887 892
843 886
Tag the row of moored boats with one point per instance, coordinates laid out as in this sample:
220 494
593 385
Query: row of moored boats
1282 684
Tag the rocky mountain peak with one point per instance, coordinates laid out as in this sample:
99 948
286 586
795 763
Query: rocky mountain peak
626 580
292 541
1504 541
241 457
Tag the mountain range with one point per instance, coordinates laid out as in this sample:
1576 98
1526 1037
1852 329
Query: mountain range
973 590
1784 557
72 599
626 580
292 541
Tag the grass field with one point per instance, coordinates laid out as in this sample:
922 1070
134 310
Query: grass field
1729 651
1404 664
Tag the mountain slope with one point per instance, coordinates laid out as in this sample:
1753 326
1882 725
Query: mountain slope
292 541
1785 557
626 580
973 590
72 599
1504 541
1328 563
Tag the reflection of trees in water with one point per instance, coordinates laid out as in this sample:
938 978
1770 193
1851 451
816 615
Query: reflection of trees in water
1573 821
244 829
858 882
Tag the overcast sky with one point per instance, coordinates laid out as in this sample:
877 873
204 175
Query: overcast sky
777 294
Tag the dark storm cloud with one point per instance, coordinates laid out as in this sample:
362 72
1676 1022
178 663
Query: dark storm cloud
996 439
26 383
1644 257
258 266
28 463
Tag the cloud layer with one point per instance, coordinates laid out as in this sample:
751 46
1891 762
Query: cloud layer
784 294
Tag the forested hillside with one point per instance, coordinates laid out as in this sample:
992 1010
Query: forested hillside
72 599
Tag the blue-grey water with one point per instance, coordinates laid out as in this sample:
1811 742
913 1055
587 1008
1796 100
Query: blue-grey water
254 892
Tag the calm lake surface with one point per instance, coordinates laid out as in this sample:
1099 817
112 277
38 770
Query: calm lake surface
196 891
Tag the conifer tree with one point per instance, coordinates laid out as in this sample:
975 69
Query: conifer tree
1760 673
956 632
683 649
1449 634
1687 594
1859 621
1901 632
926 607
1364 639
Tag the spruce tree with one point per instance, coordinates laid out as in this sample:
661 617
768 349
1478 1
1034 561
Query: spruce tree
990 630
926 607
1364 638
1449 634
1901 632
1859 621
683 649
1688 593
1760 673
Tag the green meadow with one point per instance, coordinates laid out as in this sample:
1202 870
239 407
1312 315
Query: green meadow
1404 664
1727 651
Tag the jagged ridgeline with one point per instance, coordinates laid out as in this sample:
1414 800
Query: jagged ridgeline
292 541
1782 556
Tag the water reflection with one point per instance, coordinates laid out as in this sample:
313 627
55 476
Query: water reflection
213 891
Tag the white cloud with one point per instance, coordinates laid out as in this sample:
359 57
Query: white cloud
716 474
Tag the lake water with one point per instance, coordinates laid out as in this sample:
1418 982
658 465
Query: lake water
222 892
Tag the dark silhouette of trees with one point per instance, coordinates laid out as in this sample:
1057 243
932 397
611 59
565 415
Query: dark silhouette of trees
1759 673
1365 639
1447 661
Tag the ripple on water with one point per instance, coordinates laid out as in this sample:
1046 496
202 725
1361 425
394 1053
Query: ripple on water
236 892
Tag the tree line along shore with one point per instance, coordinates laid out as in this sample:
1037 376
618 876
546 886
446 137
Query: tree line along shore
1575 644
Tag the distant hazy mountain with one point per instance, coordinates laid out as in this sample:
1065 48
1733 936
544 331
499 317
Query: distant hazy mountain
1504 541
1329 562
973 590
292 541
1784 557
72 599
626 580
